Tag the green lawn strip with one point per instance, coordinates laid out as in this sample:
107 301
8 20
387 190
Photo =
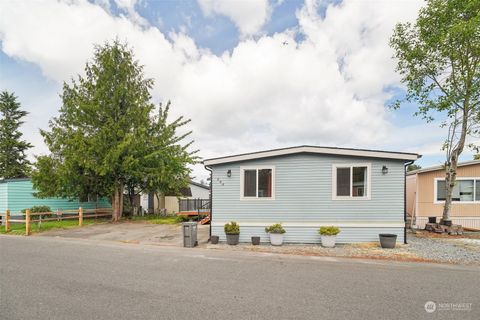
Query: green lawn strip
35 227
156 219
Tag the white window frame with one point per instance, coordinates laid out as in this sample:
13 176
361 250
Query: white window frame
351 165
435 201
242 182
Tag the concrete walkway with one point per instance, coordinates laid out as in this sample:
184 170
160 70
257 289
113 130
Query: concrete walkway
130 232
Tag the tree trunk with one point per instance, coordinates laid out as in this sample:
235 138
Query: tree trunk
451 167
120 206
117 204
450 180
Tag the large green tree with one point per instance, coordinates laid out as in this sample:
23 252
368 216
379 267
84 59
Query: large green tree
439 61
13 159
107 138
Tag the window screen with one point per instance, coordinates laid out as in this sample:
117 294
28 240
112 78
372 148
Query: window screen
250 183
463 191
441 190
264 183
343 182
359 181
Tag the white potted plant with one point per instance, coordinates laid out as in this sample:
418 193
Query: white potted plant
328 235
276 232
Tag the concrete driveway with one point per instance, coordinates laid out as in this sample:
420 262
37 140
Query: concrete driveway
130 232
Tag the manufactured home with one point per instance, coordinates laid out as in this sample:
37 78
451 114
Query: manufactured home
306 187
19 194
426 195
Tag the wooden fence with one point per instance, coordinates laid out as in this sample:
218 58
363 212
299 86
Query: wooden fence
79 214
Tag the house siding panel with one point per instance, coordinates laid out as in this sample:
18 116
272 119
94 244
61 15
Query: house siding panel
3 197
20 195
426 205
303 194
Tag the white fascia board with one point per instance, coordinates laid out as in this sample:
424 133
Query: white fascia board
317 150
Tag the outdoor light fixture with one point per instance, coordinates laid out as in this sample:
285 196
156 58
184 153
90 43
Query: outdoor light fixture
229 173
384 170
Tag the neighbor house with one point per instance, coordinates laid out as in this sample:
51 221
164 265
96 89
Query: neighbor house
170 203
19 194
305 187
426 195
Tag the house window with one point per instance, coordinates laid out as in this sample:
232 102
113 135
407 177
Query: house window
351 181
257 183
465 190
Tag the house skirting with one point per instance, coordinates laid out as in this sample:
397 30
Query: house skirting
466 222
308 232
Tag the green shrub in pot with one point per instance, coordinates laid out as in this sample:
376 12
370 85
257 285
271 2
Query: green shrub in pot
329 231
232 231
232 228
276 232
275 228
328 235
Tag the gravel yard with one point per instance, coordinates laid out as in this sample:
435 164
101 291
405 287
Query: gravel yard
445 248
421 247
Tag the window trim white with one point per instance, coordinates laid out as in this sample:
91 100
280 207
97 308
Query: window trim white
351 165
257 168
435 188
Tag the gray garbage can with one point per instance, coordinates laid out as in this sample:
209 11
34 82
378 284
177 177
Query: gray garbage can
189 234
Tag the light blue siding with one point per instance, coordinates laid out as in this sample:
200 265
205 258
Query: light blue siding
3 197
17 195
303 200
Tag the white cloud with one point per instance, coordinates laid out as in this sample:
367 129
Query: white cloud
248 15
326 89
129 7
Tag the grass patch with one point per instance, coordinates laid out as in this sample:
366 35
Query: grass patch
157 219
35 227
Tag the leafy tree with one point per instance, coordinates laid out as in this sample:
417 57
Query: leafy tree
13 160
476 156
413 167
439 61
105 140
164 159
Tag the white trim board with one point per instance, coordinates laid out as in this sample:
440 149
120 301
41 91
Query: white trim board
372 224
440 167
315 150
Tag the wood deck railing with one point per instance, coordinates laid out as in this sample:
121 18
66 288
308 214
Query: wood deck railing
189 205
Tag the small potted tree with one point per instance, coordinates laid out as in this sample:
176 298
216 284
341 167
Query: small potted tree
328 236
276 232
232 230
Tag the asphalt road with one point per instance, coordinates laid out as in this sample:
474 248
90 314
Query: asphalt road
53 278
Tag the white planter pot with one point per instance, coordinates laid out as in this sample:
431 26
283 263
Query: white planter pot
276 239
328 241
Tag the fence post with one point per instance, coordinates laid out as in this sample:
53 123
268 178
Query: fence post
80 217
27 222
7 220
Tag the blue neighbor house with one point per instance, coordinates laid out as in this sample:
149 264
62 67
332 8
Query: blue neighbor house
306 187
18 194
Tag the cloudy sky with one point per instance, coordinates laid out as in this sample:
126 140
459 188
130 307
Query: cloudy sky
251 75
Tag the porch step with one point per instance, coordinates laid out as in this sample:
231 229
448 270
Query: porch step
205 220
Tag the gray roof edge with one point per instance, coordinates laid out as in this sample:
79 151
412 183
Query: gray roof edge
440 167
313 149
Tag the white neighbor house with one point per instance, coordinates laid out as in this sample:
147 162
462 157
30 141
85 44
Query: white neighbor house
195 190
